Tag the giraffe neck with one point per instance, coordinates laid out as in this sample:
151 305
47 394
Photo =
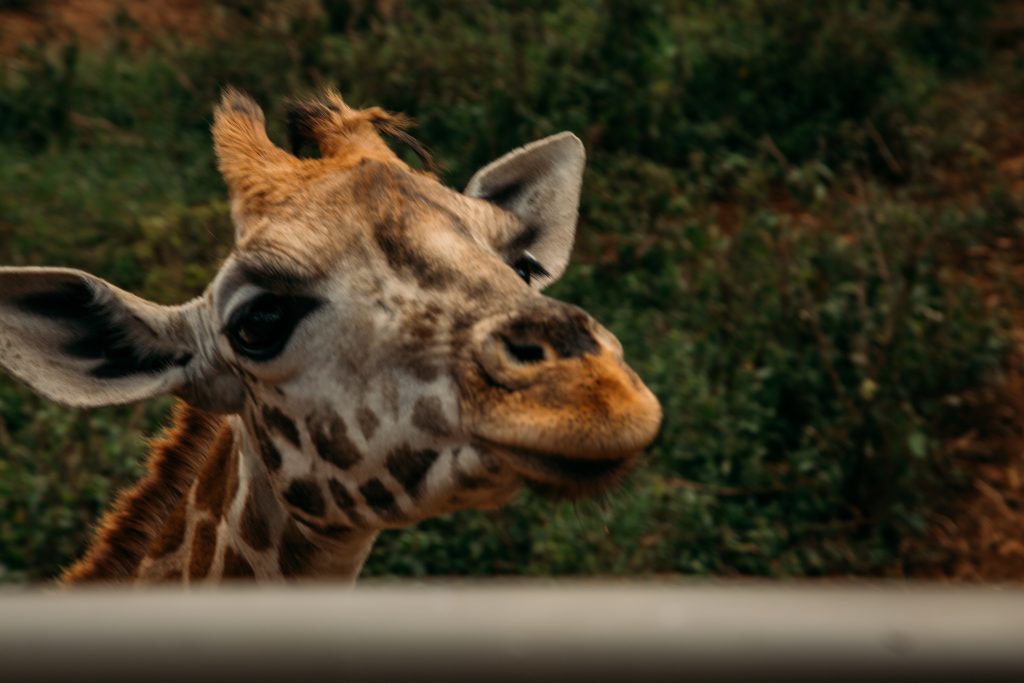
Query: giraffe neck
213 517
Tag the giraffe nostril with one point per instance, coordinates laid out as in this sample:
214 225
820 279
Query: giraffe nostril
525 353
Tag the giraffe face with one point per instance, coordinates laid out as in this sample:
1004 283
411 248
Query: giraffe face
417 370
384 338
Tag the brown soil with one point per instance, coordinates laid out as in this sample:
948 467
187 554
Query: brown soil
979 536
95 23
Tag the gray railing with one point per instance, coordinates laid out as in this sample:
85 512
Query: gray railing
518 632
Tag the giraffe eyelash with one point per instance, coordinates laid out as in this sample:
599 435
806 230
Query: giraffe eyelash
527 267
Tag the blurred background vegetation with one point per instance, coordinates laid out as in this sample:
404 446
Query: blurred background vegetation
804 221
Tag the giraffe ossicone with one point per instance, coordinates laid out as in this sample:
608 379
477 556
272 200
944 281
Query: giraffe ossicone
374 351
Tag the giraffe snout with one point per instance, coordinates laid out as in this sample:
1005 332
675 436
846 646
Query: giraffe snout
552 380
521 350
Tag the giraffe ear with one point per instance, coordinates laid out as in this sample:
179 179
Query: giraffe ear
80 341
540 183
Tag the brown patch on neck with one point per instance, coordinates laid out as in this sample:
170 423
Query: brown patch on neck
236 566
140 513
296 553
368 422
218 476
204 545
173 533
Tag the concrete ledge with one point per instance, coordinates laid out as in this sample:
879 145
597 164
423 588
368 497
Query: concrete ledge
516 632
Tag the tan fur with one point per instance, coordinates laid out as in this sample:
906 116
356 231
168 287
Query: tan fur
266 181
346 136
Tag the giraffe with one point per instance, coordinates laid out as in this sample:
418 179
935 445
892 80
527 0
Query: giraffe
374 351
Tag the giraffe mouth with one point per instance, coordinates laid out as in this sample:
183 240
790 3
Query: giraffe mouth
558 476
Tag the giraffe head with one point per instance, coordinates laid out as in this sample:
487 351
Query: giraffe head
382 338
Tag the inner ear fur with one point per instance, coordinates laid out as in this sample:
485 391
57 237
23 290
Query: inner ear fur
540 183
80 341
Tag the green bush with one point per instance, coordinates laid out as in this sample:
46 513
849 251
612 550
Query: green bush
797 312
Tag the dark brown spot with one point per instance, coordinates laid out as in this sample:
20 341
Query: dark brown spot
204 543
295 555
368 422
490 462
423 370
211 489
172 576
394 239
305 495
468 481
173 534
389 392
428 415
410 467
344 500
254 527
462 329
334 531
421 325
405 186
379 498
282 424
480 289
236 566
419 329
330 436
268 451
464 321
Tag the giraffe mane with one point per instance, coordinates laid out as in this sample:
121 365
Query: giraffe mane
336 128
140 512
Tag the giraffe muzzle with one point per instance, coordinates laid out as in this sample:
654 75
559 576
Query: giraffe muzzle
550 392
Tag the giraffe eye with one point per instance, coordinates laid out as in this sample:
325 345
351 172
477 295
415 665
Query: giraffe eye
260 329
527 267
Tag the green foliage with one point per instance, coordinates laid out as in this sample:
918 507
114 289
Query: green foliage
794 309
59 472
